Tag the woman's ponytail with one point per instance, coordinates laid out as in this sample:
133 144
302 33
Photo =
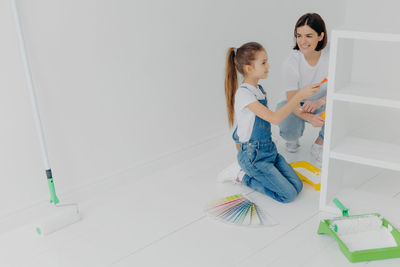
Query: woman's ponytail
231 84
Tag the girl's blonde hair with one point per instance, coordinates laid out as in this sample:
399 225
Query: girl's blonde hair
236 59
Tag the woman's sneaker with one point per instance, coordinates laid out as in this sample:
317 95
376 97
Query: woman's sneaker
292 146
316 153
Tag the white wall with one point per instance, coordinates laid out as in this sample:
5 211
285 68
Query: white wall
123 82
372 15
375 62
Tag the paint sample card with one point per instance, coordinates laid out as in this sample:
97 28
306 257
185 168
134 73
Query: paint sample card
238 210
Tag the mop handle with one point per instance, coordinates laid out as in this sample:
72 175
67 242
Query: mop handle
345 211
38 124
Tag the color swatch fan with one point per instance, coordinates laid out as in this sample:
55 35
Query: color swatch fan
239 210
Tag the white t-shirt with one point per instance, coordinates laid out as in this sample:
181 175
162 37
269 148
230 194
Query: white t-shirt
245 95
297 73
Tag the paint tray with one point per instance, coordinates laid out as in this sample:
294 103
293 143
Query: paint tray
308 173
362 237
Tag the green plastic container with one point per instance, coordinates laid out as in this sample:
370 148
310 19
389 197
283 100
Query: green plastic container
328 226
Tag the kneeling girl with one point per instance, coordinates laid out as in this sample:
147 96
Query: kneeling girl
264 169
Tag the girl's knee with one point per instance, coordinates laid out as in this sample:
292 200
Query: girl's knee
298 185
289 195
295 180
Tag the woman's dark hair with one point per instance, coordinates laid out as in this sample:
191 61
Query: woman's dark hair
315 22
236 59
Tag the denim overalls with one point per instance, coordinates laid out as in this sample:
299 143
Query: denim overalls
266 170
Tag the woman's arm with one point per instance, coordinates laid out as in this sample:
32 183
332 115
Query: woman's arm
313 105
315 119
297 112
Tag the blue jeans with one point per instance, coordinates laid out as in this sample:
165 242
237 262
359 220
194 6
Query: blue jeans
268 172
292 128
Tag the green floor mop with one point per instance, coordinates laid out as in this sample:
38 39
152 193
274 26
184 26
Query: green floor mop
59 215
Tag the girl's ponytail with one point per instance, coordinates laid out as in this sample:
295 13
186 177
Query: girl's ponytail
231 84
236 59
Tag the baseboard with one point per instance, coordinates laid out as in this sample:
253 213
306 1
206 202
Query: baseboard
27 215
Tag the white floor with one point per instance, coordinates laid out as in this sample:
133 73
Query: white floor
154 217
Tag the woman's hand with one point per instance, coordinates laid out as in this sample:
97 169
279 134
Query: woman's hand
316 120
309 90
311 105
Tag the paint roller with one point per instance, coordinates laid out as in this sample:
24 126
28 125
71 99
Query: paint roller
354 224
357 224
58 216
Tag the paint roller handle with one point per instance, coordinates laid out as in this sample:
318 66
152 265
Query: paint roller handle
53 197
345 211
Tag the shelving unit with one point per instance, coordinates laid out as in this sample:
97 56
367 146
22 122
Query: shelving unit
367 94
362 131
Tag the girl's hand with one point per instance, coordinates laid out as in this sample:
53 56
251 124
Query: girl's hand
316 120
309 90
310 106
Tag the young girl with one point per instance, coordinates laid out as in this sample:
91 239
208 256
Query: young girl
265 170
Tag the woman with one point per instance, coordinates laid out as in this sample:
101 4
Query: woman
306 64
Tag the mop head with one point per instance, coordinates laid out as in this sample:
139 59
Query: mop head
57 217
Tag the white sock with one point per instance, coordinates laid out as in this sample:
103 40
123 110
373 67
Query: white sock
240 176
